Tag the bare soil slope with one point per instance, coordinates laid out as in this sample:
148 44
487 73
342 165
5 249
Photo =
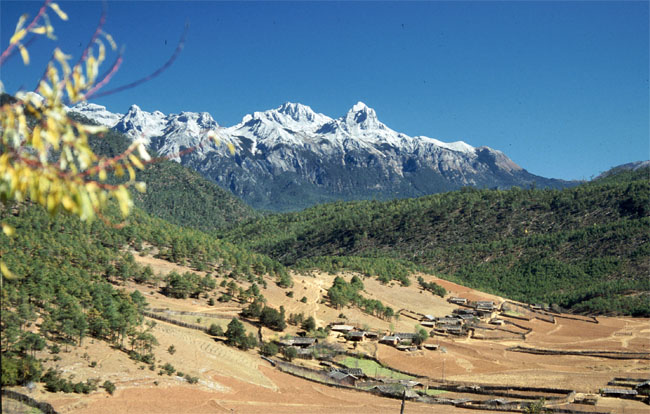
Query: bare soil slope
234 381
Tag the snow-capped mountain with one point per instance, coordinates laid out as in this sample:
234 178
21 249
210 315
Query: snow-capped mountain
97 113
291 157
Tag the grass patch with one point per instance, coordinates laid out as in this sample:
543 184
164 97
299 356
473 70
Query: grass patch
205 321
514 313
373 369
433 392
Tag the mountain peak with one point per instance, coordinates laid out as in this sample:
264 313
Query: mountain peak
362 116
290 115
296 111
134 109
97 113
360 106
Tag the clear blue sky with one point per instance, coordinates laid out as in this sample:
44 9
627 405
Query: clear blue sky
560 87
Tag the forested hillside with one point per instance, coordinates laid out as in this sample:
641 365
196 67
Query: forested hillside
176 193
586 248
68 275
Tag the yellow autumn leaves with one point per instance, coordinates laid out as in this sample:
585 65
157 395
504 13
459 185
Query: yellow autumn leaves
45 156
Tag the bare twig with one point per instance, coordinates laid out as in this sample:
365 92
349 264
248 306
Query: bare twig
9 50
179 48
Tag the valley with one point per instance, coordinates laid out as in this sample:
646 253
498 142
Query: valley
231 380
479 299
178 257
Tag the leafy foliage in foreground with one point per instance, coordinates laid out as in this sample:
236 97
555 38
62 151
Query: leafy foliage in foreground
586 249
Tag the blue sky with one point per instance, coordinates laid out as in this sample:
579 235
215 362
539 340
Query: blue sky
560 87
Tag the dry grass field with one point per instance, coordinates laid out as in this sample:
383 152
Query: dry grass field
232 381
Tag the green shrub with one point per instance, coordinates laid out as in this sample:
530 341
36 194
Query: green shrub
168 369
269 349
109 387
215 330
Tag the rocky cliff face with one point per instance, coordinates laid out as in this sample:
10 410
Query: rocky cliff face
291 157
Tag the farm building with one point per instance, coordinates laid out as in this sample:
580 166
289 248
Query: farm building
449 321
304 342
355 336
390 340
463 311
618 393
343 378
643 386
405 336
484 305
298 341
449 329
342 328
396 390
458 301
304 353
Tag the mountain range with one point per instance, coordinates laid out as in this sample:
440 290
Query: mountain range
291 157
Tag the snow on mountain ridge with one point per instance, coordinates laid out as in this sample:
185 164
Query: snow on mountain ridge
289 124
292 157
98 113
139 124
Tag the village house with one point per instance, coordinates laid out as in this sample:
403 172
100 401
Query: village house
304 353
304 342
298 341
643 386
618 393
392 340
449 329
372 335
484 305
405 336
341 328
463 311
458 301
343 378
449 321
485 309
456 330
396 391
355 336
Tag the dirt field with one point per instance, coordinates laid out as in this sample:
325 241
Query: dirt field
233 381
